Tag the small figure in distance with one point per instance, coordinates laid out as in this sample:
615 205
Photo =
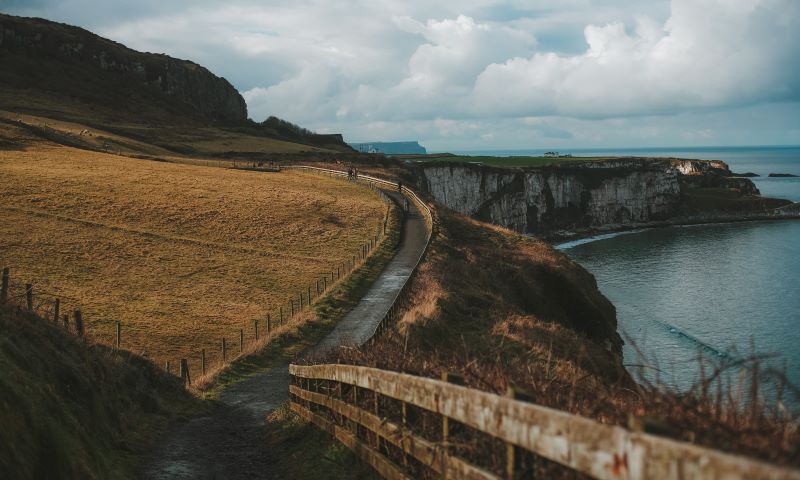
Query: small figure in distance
399 186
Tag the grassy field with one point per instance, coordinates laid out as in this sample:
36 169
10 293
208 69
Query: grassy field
518 161
181 255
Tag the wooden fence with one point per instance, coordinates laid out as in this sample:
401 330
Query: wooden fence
333 397
355 405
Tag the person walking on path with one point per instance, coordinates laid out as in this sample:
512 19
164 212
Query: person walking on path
400 186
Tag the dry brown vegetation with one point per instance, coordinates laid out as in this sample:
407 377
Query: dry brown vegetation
181 255
502 310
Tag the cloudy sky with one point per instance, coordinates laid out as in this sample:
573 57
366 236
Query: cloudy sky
486 74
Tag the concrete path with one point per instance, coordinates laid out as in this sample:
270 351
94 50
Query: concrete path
230 443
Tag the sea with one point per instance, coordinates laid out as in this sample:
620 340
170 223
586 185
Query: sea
721 293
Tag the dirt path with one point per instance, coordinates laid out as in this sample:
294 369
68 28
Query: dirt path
230 443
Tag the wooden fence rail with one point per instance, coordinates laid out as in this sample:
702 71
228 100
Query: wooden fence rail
581 444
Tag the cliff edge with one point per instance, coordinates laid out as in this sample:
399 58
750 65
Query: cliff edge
66 60
589 194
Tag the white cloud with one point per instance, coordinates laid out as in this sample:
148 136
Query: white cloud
709 53
479 72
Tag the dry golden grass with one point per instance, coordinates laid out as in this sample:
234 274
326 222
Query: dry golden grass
181 255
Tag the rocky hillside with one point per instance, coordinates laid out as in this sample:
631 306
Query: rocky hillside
66 60
578 194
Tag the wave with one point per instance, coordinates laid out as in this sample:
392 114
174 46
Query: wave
691 338
583 241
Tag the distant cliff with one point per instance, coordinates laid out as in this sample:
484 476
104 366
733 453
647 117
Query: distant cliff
71 61
576 194
391 148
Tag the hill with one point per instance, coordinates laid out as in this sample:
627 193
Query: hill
71 409
182 255
51 72
73 62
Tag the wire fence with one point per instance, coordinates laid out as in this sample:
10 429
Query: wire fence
72 315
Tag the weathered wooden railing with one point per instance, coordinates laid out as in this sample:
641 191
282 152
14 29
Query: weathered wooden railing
328 396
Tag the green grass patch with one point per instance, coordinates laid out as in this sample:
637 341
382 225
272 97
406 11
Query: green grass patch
518 161
71 409
306 452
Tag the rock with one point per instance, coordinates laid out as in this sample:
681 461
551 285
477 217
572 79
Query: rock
747 175
782 175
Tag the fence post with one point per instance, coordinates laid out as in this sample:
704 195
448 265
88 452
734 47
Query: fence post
255 325
325 283
78 323
457 380
338 273
280 313
291 304
203 361
166 367
224 351
4 289
29 296
185 378
301 300
56 308
241 340
511 451
66 322
119 334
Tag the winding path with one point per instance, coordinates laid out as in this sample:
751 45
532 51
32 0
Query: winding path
230 443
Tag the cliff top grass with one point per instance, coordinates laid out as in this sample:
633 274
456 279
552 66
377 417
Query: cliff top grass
496 161
181 255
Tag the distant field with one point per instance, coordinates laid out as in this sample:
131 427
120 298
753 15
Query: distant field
182 255
503 161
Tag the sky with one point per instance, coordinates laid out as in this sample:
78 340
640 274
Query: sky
485 74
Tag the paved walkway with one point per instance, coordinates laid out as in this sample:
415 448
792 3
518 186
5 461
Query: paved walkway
229 444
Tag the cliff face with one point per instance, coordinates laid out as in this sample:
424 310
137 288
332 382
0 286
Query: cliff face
574 194
34 51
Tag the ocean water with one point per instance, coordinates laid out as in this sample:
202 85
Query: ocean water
718 291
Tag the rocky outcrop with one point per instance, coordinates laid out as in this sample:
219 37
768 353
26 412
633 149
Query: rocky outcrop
32 43
574 194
